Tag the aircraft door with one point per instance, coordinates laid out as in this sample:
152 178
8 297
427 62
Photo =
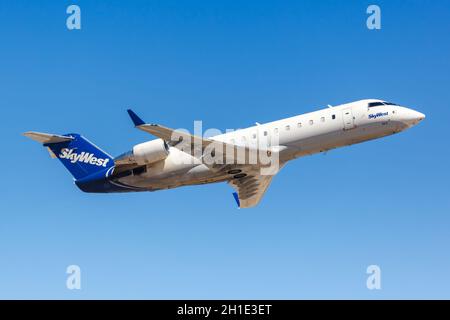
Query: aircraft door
347 117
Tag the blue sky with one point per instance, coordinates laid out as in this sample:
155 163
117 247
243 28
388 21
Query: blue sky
228 63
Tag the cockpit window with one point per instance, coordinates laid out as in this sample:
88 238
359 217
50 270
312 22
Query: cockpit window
381 103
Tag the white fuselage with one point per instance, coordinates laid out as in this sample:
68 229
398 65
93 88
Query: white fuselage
300 135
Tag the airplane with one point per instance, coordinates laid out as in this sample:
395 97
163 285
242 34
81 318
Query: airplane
177 158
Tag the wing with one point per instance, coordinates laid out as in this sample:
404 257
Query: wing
213 153
250 189
171 136
249 181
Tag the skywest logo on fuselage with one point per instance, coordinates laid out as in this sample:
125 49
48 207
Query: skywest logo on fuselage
377 115
85 157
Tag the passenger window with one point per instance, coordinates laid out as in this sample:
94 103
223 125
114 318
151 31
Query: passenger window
254 136
333 116
322 119
311 122
288 128
265 133
299 125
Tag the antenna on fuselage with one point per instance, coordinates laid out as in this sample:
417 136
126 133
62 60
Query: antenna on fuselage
329 106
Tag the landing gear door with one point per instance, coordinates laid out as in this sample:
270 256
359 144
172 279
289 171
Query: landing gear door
347 116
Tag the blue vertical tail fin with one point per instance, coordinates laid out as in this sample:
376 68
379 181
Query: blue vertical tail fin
80 156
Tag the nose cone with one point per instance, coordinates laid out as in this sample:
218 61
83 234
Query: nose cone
420 116
412 117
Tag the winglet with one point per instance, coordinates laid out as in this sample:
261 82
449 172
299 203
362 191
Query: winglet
135 118
236 197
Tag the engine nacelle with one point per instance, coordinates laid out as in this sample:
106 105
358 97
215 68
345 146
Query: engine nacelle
150 152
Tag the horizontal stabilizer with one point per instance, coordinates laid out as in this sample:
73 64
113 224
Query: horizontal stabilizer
46 138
